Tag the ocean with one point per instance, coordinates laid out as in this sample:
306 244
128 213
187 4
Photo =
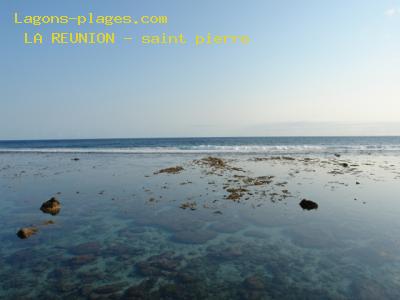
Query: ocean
248 145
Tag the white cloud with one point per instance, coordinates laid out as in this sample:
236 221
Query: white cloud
391 12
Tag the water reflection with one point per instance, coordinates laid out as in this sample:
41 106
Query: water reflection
125 235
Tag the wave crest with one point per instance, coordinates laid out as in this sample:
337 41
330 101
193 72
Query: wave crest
256 149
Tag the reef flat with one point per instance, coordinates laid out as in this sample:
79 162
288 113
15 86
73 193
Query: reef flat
179 226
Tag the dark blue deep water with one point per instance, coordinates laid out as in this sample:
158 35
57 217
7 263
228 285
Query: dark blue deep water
287 145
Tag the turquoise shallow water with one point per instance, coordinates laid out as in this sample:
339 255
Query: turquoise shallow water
122 234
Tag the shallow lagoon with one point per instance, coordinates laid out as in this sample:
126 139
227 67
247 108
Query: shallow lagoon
124 233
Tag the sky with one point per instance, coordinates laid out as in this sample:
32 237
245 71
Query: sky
312 68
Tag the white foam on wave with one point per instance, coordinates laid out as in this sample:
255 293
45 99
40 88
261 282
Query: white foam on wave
272 149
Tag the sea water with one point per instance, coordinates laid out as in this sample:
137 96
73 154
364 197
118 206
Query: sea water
123 231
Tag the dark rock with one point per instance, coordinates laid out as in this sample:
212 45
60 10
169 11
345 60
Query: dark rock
25 233
52 206
344 165
75 159
308 204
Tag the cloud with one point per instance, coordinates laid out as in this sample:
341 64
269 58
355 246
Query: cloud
391 12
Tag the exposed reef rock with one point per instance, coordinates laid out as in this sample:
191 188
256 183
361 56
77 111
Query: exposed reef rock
189 205
308 204
215 165
214 162
52 206
172 170
25 233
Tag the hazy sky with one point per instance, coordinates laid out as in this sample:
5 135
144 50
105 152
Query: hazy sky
312 67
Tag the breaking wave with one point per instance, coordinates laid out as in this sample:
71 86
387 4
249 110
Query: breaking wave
247 149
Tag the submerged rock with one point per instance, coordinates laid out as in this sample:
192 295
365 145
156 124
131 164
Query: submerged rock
25 233
193 237
110 288
140 291
367 289
81 260
158 265
254 283
49 222
52 206
308 204
86 248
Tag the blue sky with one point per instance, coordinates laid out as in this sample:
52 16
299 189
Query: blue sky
312 68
